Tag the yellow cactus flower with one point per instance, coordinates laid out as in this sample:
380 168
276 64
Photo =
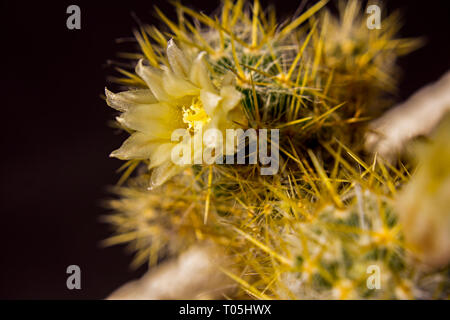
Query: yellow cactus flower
181 95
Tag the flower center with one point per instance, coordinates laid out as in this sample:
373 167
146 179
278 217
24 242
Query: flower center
195 116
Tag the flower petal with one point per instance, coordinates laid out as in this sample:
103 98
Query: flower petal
177 59
231 97
160 155
126 100
137 146
157 120
199 73
229 79
178 87
163 173
153 78
210 101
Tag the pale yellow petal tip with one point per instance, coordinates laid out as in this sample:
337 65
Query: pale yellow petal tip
201 56
142 70
210 101
119 154
153 78
199 73
139 67
177 59
163 173
115 100
231 97
115 154
110 98
107 92
171 44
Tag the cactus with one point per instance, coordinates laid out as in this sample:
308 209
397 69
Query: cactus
316 227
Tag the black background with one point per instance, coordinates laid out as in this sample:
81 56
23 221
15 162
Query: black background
55 139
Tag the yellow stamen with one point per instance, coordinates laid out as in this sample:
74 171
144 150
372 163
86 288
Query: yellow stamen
195 116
